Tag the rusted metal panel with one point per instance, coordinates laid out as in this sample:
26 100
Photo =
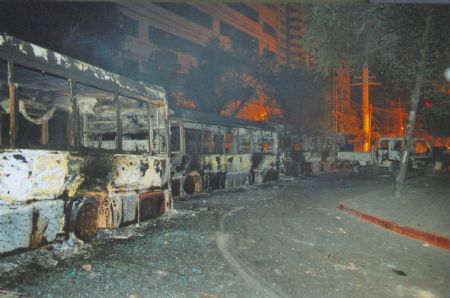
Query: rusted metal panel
182 137
13 107
52 212
26 226
150 128
43 59
109 209
16 227
44 133
129 206
32 183
37 187
75 125
206 172
36 174
118 122
151 205
137 173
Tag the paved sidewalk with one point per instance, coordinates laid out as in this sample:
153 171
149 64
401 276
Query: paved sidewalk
423 212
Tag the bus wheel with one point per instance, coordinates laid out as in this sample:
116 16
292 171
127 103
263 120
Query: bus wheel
83 218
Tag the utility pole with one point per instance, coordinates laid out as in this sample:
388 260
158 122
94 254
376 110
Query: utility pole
365 108
365 111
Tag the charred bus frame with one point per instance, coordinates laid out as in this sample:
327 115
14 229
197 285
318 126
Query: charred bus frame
304 152
102 157
211 152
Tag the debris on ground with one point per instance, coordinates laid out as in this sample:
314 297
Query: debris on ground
68 248
87 267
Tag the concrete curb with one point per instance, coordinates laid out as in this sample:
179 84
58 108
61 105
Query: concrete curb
430 238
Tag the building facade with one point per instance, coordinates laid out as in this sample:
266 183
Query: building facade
290 42
184 28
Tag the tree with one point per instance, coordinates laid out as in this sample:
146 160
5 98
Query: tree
301 95
161 69
398 39
220 76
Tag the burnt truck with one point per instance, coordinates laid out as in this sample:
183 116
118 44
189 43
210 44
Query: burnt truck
386 156
81 148
211 152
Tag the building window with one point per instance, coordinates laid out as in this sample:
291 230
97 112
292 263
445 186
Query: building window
245 10
129 25
172 41
189 12
238 36
269 30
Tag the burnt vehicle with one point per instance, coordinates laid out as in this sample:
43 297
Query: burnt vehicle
304 152
386 156
211 152
81 148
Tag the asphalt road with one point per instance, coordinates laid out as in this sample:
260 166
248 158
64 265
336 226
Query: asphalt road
285 239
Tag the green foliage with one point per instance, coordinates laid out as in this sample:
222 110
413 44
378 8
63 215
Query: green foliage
301 96
436 116
220 77
389 38
160 68
340 35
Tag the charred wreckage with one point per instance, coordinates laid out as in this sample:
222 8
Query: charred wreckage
83 149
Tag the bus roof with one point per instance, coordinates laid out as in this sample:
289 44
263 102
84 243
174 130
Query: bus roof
47 61
207 118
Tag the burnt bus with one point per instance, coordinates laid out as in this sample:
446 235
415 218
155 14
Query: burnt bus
304 152
81 148
211 152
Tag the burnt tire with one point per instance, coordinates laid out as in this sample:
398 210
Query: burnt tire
189 185
83 218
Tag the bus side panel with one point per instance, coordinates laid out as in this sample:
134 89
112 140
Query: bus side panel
138 172
135 182
208 172
36 175
31 187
